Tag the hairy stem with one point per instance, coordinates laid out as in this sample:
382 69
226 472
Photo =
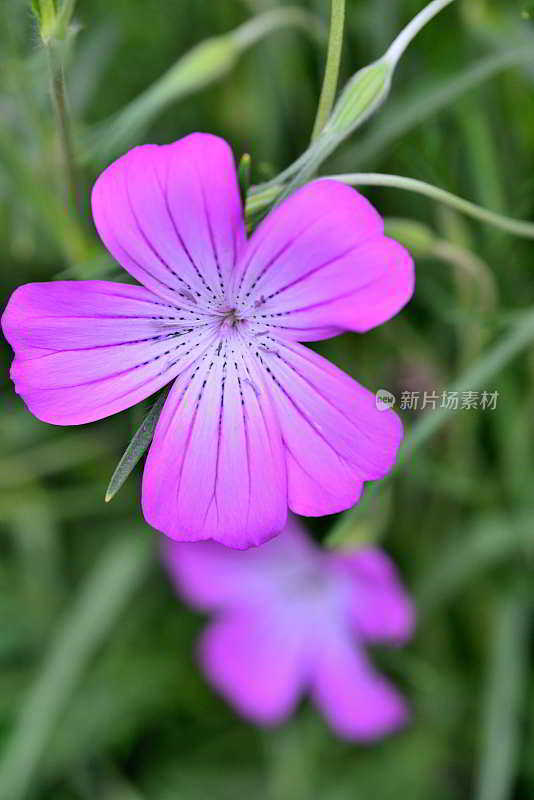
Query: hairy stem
59 101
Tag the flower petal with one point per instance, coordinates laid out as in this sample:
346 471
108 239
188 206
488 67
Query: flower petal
172 216
87 349
258 664
335 437
358 703
210 576
216 469
320 264
381 609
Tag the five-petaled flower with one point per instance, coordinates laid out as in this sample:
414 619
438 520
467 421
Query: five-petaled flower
291 617
254 421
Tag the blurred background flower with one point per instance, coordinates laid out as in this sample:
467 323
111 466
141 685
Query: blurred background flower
291 618
100 695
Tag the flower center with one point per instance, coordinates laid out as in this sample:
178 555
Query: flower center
231 319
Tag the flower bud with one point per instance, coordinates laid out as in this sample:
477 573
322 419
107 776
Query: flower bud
364 92
53 18
45 11
208 61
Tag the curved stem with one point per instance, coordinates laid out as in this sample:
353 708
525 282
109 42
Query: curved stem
333 60
517 227
409 33
255 29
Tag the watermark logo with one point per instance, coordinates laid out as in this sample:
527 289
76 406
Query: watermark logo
384 400
451 400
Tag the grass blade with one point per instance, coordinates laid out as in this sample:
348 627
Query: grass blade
470 553
102 598
473 379
505 696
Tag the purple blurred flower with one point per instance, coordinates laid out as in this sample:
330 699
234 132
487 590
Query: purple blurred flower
254 421
291 617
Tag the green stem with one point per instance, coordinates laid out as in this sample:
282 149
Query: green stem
59 101
258 201
408 34
257 28
517 227
333 61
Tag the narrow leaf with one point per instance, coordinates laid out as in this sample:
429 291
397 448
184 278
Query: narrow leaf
136 448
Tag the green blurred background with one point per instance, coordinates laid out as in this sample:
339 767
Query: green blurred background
99 693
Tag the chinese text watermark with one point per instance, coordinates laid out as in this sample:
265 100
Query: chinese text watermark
448 399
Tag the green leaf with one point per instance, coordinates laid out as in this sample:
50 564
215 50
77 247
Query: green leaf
136 449
368 528
261 198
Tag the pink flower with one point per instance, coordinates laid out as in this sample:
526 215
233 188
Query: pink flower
291 617
254 421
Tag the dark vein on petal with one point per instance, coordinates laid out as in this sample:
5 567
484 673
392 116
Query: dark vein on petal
306 275
329 402
302 414
210 229
297 235
150 246
192 424
247 442
118 374
165 190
